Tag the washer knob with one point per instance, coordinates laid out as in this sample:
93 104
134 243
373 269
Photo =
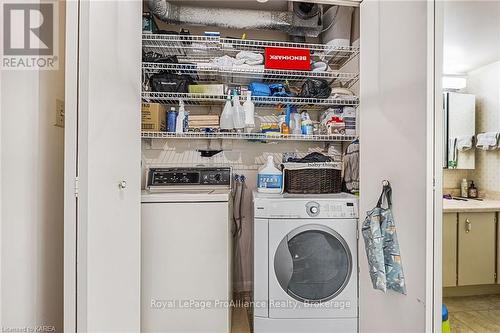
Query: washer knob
314 210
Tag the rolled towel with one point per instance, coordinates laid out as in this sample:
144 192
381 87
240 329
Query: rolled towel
487 141
250 58
465 143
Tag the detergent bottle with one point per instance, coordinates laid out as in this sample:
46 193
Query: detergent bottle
269 178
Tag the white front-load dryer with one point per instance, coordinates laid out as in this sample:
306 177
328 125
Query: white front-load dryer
305 263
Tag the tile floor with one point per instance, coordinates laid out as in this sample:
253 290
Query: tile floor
474 314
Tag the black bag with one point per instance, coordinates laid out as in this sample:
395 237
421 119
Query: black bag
315 88
159 58
168 82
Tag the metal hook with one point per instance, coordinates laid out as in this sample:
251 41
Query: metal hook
385 183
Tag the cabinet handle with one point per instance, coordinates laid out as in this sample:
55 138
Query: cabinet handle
468 226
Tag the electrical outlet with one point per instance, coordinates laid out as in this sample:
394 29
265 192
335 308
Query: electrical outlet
59 113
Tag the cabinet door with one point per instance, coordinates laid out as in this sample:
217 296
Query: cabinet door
476 248
450 249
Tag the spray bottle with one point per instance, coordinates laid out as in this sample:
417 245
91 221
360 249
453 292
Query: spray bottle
179 124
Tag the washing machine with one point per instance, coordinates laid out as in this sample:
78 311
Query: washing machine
186 250
305 263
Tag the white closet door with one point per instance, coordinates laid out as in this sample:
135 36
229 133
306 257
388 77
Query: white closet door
108 218
397 144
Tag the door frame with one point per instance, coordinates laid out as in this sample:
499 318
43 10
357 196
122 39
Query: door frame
434 224
71 165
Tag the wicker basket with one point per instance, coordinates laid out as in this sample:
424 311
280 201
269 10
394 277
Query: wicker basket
314 180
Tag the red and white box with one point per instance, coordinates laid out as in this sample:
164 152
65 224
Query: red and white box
287 58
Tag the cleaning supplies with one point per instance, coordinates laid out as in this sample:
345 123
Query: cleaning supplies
463 188
269 178
295 123
472 191
238 113
226 118
249 109
179 125
306 124
171 120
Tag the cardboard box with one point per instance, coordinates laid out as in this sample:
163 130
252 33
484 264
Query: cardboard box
208 89
203 121
154 117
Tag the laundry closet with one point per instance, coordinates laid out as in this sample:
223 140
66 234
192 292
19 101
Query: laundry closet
115 152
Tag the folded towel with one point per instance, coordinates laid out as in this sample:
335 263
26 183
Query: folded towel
487 141
465 143
250 58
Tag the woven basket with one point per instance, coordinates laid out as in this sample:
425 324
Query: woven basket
313 181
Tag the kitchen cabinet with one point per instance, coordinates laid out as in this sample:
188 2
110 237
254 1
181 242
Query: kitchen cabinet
498 247
476 248
450 221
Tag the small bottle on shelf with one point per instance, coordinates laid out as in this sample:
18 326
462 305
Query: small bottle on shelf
472 191
179 125
171 120
464 188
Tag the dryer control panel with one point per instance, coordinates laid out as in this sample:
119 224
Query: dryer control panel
336 206
163 177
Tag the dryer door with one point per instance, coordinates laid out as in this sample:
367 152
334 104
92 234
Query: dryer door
313 263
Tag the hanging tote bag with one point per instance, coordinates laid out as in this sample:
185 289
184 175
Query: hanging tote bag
382 246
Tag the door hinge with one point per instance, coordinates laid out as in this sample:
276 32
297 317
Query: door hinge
76 187
495 275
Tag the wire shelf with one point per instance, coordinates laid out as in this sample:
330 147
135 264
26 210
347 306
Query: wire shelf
247 136
259 101
199 48
205 72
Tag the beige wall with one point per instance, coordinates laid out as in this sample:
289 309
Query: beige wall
32 196
483 82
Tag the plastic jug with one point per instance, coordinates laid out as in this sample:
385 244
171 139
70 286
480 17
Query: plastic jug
238 114
249 109
226 118
269 178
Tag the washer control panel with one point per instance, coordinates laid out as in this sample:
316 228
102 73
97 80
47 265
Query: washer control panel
161 177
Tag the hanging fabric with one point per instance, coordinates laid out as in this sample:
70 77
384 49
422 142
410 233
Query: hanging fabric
382 246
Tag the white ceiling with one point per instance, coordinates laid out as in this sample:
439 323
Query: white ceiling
471 35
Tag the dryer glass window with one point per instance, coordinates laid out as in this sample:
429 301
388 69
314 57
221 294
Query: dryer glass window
321 265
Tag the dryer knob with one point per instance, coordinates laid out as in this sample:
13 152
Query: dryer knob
312 209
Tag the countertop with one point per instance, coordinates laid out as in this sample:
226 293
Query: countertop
456 206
